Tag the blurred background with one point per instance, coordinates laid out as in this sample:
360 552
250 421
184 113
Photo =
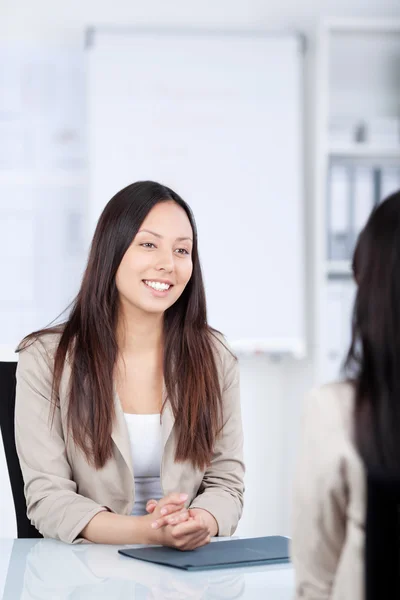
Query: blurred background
278 122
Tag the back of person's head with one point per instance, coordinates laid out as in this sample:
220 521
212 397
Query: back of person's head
373 361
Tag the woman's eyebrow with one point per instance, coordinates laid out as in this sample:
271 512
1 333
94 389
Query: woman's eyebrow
148 231
178 239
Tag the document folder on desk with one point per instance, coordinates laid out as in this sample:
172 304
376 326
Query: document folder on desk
217 555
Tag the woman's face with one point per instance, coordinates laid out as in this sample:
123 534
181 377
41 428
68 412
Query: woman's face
157 266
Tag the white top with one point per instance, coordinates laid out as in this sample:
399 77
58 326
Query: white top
146 447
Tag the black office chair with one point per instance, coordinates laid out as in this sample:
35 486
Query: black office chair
382 538
7 408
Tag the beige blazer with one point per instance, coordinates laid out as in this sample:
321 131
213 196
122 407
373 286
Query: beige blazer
329 500
63 492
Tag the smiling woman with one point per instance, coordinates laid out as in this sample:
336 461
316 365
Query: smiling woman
128 423
160 258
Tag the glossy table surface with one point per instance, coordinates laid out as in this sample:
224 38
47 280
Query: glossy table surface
51 570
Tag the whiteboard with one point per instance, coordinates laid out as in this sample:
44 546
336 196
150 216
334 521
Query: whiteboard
218 118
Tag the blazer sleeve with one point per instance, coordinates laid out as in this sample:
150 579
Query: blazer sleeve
221 491
53 504
320 500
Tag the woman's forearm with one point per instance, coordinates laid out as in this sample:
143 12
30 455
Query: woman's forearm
109 528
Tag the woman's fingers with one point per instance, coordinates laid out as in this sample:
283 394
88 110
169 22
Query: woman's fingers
175 502
197 542
172 499
172 503
171 508
168 505
192 541
189 527
151 505
174 519
177 518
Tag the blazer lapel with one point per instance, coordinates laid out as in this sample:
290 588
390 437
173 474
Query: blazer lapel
167 418
120 434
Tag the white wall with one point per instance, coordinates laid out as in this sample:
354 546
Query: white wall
272 392
45 20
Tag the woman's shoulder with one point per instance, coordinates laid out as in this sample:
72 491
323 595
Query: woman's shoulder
222 348
41 346
226 361
332 404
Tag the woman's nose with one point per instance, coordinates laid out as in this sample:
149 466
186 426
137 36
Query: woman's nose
166 262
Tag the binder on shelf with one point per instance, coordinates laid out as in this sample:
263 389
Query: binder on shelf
343 130
339 197
338 318
389 182
363 197
349 293
384 131
333 331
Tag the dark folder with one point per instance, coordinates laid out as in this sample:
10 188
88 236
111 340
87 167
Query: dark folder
217 555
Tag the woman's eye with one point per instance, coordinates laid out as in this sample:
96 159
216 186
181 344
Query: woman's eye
182 251
148 245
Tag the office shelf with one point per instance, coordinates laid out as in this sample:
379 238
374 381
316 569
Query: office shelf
338 267
363 151
348 92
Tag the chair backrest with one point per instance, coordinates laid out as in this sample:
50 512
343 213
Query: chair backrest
7 409
382 537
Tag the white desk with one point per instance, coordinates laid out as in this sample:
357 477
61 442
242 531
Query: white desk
51 570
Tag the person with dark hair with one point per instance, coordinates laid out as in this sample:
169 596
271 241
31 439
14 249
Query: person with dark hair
352 426
128 424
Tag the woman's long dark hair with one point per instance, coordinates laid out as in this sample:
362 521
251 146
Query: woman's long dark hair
373 361
88 338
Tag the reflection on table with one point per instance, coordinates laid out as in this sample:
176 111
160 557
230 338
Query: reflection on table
51 570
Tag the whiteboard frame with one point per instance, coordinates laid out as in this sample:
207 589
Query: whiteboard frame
92 30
